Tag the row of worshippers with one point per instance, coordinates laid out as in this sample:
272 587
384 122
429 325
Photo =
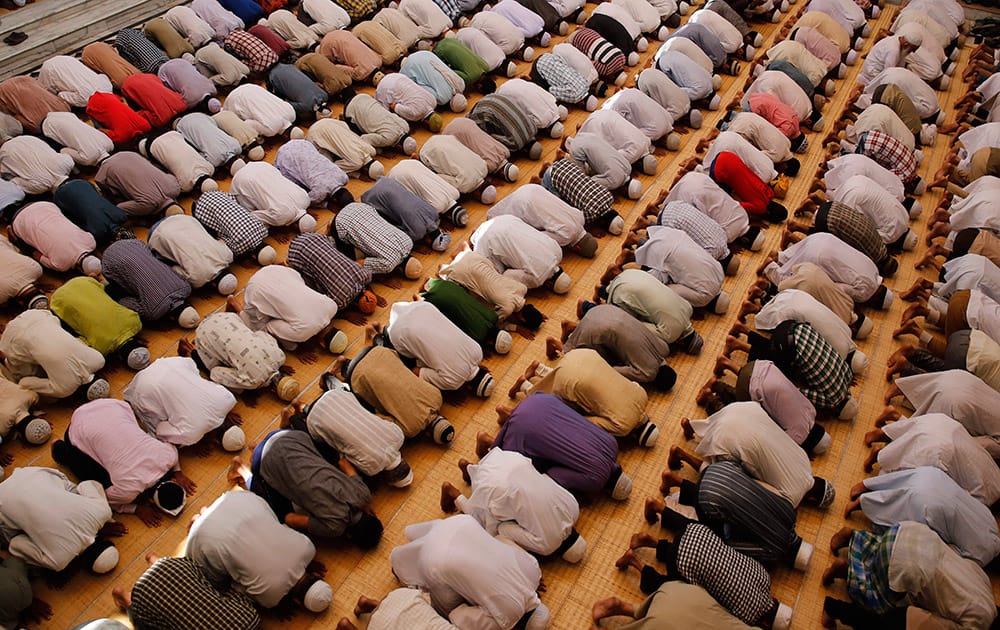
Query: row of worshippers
763 430
930 503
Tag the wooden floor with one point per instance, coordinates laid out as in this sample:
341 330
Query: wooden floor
571 589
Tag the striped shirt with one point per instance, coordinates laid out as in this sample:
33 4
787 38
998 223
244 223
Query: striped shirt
136 48
699 226
252 50
367 441
385 246
317 258
142 282
608 60
580 190
225 218
498 116
174 593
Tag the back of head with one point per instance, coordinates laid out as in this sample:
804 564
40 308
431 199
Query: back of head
367 532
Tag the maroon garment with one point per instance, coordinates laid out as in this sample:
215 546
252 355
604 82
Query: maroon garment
118 120
272 39
156 102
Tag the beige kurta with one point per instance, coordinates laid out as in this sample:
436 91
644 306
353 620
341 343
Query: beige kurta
19 271
15 404
477 274
814 281
608 399
383 381
677 605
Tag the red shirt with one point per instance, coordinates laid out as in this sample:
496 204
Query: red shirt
118 120
156 102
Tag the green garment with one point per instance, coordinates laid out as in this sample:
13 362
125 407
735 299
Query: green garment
465 311
102 323
460 58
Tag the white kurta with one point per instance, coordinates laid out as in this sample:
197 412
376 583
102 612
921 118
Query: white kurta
512 499
425 183
228 541
181 159
431 21
85 144
269 195
406 609
619 133
884 54
754 159
578 60
33 165
879 117
699 190
743 432
269 114
763 135
983 313
799 306
197 257
840 169
174 403
543 211
785 89
454 162
477 41
478 581
447 358
500 30
978 210
661 89
367 441
186 22
72 81
534 101
971 271
277 300
46 520
642 111
846 266
959 395
680 263
924 98
729 36
328 16
936 440
517 250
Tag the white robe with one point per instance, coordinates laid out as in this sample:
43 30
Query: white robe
619 133
862 193
543 211
447 358
699 190
426 184
478 581
174 403
517 250
971 271
512 499
961 396
846 266
754 159
196 256
799 306
269 195
677 261
85 144
277 300
269 114
840 169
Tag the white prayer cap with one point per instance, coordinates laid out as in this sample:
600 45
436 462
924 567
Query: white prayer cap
539 619
287 388
927 134
503 342
412 268
850 410
138 358
236 166
648 435
256 153
910 241
234 439
307 223
722 303
296 133
859 361
458 103
318 597
803 556
623 487
189 318
266 255
442 430
227 284
783 618
616 226
98 389
562 112
37 431
376 170
91 265
209 185
106 561
562 283
823 445
865 328
576 551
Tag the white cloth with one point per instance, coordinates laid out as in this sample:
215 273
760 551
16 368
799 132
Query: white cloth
175 403
798 55
228 541
447 358
661 89
268 113
971 271
754 159
619 133
642 111
512 499
277 300
743 432
69 79
845 12
783 88
33 165
763 135
454 162
336 138
534 101
500 30
478 42
406 609
578 60
196 256
46 520
729 36
180 158
862 193
676 260
186 22
543 211
846 266
924 98
431 21
370 443
327 15
799 306
983 313
884 54
699 190
290 29
82 142
269 195
689 49
977 210
474 578
840 169
961 396
425 183
936 440
621 15
517 250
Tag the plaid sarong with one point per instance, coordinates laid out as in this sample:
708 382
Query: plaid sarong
889 153
853 227
868 569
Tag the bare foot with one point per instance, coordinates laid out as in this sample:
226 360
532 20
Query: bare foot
345 624
483 443
872 458
641 539
706 393
686 428
840 539
889 414
365 605
651 511
234 476
914 311
838 568
552 348
516 387
449 494
857 490
668 480
463 465
628 559
611 607
122 599
674 459
503 414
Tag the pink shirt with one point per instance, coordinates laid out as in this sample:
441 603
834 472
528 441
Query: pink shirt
106 430
782 400
60 243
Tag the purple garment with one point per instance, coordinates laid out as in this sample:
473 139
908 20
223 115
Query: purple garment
301 162
577 454
140 281
182 77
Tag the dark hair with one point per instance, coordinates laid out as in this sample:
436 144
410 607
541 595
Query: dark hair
532 317
169 494
367 532
665 378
